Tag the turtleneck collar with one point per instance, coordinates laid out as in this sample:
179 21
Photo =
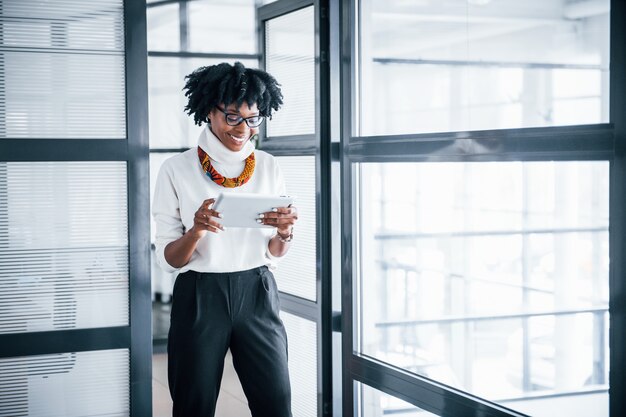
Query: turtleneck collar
220 153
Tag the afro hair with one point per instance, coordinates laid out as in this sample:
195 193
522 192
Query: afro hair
208 87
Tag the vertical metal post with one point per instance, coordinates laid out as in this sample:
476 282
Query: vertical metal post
346 55
138 208
324 205
617 205
183 17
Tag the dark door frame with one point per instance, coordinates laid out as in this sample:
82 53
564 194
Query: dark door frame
317 145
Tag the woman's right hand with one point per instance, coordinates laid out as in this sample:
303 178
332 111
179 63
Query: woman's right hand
204 220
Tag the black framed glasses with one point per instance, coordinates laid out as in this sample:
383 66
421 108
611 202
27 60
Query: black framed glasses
233 119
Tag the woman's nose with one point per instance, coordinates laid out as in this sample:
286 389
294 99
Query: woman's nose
242 127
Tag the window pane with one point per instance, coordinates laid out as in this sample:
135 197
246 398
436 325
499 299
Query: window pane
162 281
62 70
290 53
63 260
490 277
477 65
297 272
170 126
302 346
163 28
74 384
375 403
226 26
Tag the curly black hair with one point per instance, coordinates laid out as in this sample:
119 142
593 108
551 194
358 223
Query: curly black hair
208 87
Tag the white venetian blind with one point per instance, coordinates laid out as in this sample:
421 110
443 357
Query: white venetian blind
62 69
290 57
302 350
72 384
63 245
297 271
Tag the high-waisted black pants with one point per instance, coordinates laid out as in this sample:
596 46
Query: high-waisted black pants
212 312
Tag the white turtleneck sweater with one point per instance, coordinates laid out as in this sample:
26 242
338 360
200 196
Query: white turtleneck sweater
182 186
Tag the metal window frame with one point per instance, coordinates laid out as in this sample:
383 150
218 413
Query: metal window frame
617 220
605 142
134 151
318 311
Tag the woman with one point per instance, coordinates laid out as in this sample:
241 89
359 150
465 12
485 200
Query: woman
225 297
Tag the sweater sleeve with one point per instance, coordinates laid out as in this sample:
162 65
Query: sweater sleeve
166 214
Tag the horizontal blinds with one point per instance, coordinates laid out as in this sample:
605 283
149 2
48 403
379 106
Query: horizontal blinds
62 69
297 271
290 58
302 350
66 384
63 245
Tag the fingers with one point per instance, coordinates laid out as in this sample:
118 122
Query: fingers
208 203
279 211
206 222
279 217
204 218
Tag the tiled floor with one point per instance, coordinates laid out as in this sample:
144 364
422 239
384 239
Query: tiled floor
231 401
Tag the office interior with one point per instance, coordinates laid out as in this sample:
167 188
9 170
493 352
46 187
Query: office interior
458 167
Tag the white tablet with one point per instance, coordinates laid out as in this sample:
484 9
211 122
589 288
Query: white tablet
242 210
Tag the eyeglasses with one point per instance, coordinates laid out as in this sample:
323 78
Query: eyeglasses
233 119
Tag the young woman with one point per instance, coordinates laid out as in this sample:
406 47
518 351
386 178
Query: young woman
225 297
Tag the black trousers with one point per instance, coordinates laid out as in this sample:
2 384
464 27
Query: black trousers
212 312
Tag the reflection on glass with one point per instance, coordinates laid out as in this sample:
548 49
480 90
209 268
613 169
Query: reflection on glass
435 66
374 403
490 277
226 26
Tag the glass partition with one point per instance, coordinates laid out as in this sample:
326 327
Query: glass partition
477 65
297 272
290 57
222 26
64 260
375 403
73 384
489 277
62 70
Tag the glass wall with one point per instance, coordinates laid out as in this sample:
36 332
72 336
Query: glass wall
374 403
489 277
290 55
72 161
477 65
477 265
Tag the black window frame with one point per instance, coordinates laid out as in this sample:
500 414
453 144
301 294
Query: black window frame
318 146
602 142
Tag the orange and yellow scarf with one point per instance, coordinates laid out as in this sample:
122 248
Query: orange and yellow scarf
219 179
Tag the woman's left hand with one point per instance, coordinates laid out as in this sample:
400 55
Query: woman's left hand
282 219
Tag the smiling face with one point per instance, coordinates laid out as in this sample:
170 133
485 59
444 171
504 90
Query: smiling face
233 137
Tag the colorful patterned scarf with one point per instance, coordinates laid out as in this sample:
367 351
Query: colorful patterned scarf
219 179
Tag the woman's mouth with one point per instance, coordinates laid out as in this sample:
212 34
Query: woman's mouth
238 139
